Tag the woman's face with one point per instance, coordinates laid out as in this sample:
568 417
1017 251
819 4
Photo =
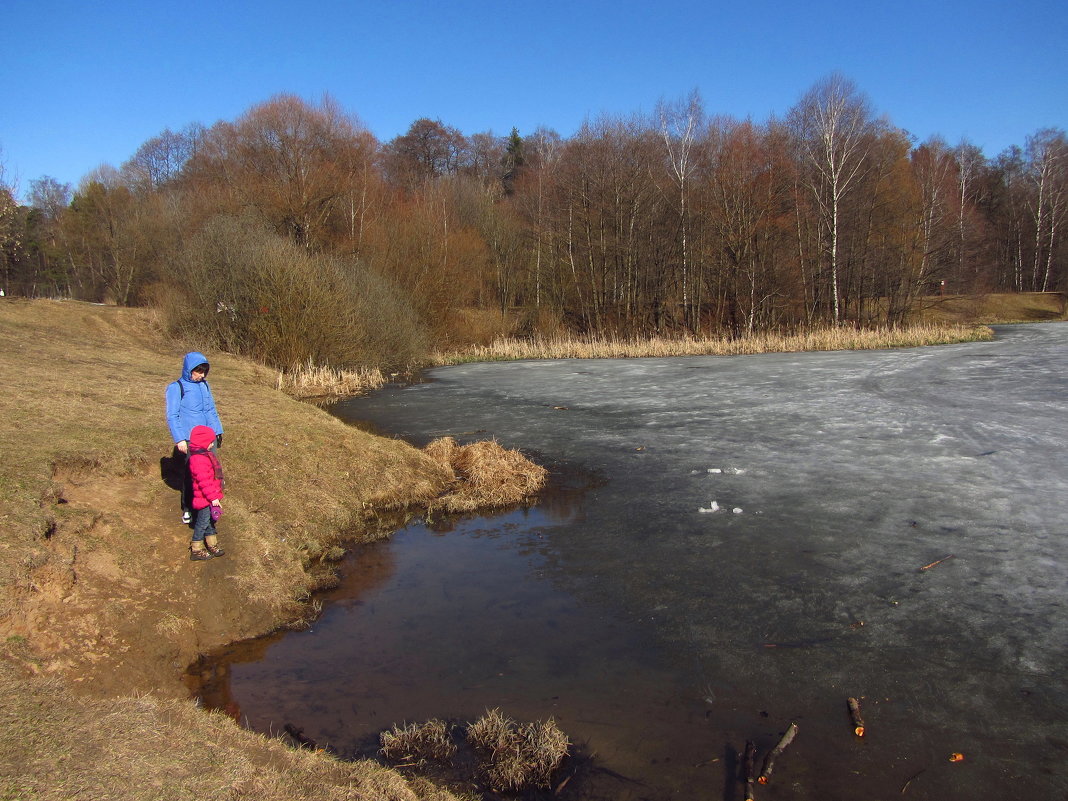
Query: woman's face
198 373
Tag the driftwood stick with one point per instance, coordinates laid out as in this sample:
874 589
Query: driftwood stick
769 760
935 563
858 721
750 768
908 781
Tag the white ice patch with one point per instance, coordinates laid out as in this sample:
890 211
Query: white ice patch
714 470
713 507
737 510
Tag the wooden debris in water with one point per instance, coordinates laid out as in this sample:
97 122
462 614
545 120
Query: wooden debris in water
854 712
935 563
769 760
749 768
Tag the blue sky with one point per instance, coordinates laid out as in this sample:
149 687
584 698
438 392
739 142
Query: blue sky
87 83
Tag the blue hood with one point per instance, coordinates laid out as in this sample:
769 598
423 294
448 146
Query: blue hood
192 360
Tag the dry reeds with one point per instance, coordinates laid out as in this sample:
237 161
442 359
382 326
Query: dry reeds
821 339
516 756
418 742
487 475
311 381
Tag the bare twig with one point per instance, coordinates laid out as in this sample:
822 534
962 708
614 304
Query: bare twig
908 781
936 563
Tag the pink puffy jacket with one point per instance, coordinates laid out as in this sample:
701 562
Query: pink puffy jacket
205 468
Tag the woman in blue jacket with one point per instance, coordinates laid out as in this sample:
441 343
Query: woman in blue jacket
190 404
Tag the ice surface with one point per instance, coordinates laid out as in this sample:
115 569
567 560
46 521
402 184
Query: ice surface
858 469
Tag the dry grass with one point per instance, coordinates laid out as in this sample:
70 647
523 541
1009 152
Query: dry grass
418 742
486 475
311 381
95 585
517 756
1018 307
148 749
822 339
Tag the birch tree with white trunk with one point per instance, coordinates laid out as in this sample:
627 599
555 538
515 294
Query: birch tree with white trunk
1047 155
834 126
680 124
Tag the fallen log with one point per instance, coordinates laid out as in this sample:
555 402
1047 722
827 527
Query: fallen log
769 760
858 721
749 762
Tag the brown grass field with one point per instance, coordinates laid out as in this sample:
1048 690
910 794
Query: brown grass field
100 608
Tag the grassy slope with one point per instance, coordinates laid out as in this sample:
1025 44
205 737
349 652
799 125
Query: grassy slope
96 592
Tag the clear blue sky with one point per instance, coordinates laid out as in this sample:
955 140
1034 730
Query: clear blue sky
87 83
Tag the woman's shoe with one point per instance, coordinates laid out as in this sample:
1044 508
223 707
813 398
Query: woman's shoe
202 555
214 550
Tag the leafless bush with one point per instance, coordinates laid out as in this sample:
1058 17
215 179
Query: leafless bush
245 289
516 756
418 742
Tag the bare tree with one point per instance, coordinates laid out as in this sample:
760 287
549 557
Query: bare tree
1047 155
161 159
833 126
428 150
286 159
970 166
680 125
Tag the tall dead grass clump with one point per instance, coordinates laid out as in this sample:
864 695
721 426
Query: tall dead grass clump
517 756
312 381
486 475
418 742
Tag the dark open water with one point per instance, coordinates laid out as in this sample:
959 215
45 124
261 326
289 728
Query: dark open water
661 637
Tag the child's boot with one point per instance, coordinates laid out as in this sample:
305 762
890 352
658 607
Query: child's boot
211 544
198 553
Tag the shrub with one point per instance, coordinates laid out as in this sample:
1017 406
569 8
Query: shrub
240 287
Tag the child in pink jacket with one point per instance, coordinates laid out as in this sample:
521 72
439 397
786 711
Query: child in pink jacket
207 474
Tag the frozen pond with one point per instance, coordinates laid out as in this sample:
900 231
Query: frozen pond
748 550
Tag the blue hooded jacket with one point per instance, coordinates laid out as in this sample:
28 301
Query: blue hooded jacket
189 402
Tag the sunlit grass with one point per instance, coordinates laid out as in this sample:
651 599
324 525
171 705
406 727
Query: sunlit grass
821 339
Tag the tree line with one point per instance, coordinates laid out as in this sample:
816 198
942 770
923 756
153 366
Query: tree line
294 235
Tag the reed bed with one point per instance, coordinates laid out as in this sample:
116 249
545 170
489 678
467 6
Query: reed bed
506 349
312 381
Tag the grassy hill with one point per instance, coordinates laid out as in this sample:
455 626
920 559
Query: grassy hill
100 608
